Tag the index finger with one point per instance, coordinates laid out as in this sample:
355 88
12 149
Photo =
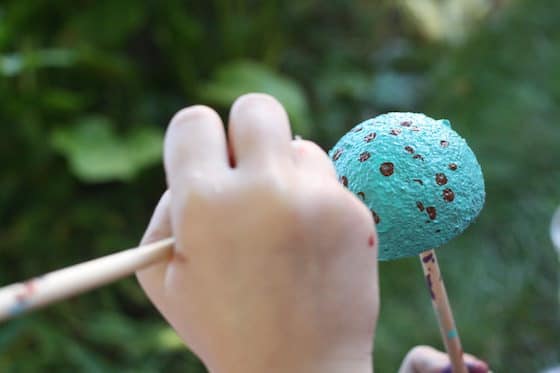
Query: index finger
195 147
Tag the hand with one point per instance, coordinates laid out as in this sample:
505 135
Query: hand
425 359
275 263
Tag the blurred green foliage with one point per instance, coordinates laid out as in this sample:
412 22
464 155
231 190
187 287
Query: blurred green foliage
86 90
95 154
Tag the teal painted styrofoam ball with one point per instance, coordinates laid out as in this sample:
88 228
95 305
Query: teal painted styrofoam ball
418 177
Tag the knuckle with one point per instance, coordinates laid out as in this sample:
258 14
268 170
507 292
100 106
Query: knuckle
252 104
194 113
269 183
421 350
254 98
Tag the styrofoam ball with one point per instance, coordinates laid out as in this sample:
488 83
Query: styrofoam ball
421 181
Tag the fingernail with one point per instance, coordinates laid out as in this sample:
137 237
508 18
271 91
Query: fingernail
477 367
473 368
298 137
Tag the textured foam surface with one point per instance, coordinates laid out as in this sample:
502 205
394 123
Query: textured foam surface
419 178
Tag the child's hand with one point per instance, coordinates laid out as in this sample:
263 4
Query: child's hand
425 359
275 264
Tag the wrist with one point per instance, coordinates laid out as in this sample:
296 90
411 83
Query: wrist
317 350
295 354
283 365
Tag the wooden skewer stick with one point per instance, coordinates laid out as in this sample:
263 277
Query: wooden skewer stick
18 298
443 312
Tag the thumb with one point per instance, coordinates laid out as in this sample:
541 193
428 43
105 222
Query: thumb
152 278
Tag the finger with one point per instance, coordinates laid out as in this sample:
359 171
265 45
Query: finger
309 156
259 131
426 359
473 364
152 278
195 146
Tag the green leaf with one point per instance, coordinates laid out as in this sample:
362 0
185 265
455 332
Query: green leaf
96 154
11 64
167 339
16 63
236 78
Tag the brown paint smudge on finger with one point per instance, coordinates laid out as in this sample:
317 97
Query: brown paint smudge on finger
371 240
178 257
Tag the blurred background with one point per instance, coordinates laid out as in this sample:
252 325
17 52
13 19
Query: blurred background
88 87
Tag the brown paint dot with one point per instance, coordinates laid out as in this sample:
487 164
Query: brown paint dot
387 169
418 181
337 154
452 166
448 195
364 156
444 143
362 195
431 210
420 205
376 217
406 123
369 137
441 179
395 132
429 282
418 156
343 180
429 257
409 149
357 129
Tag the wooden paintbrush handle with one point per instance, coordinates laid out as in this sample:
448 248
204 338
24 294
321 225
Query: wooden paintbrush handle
449 332
18 298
